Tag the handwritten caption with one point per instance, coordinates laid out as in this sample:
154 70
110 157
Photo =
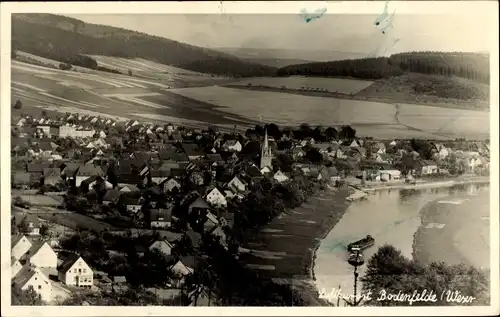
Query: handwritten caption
410 298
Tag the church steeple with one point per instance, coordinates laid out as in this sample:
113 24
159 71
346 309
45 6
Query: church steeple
265 153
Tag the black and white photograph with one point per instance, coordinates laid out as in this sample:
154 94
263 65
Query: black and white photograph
327 155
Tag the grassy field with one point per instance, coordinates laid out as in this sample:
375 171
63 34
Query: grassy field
380 120
75 221
124 97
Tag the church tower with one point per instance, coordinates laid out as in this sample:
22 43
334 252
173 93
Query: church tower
265 153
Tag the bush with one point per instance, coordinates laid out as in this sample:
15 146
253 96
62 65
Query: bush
18 104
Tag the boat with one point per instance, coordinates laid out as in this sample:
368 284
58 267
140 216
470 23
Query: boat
356 257
362 244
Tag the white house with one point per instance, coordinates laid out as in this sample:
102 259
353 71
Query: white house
232 146
41 255
236 184
280 177
160 218
215 197
19 246
32 277
182 267
163 246
15 266
265 170
389 175
75 271
428 167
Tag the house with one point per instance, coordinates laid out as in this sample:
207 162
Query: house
112 196
32 277
29 223
19 246
160 218
427 167
218 232
41 255
210 223
199 205
378 148
183 266
192 151
163 246
131 179
127 188
440 151
297 152
170 184
342 152
383 158
51 176
21 178
232 146
69 171
159 176
75 271
266 170
216 198
15 266
132 205
236 184
280 177
389 175
86 171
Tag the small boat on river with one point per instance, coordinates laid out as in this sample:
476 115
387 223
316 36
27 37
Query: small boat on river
362 244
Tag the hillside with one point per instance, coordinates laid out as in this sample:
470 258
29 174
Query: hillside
65 39
474 66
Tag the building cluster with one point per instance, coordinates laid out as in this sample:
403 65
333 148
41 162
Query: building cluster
147 173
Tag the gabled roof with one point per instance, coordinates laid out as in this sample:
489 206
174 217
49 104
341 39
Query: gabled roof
89 170
51 172
191 149
68 263
24 275
111 195
36 167
130 179
15 239
35 247
199 203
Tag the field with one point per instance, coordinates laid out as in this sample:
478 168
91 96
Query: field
380 120
335 85
75 221
110 95
125 97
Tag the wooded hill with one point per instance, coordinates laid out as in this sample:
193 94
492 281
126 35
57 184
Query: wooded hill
66 39
474 66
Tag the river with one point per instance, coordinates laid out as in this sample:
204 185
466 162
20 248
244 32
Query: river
394 216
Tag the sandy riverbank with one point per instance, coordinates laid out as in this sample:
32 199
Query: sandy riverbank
284 250
375 186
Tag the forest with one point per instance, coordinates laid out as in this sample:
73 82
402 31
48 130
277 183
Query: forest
473 66
67 40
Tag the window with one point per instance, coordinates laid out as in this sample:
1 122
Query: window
79 270
84 270
39 286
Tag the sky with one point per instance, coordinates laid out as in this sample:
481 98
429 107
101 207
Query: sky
339 32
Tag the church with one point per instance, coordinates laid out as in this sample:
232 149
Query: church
266 156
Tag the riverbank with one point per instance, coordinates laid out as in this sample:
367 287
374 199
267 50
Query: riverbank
455 230
464 180
285 249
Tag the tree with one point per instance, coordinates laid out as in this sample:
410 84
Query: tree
44 113
331 133
27 297
314 156
44 231
390 272
18 104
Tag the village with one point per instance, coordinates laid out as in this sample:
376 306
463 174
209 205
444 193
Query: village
96 201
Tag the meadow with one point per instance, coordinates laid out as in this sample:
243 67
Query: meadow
127 97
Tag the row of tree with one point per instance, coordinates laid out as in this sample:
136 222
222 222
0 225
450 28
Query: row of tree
474 66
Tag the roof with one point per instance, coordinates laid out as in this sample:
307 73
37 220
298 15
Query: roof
68 262
35 246
161 214
159 173
112 194
36 167
191 149
24 275
51 172
119 279
130 179
89 170
427 162
14 239
214 157
199 203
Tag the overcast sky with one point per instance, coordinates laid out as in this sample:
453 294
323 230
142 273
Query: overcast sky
349 33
